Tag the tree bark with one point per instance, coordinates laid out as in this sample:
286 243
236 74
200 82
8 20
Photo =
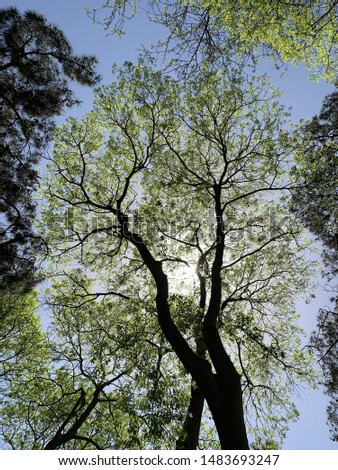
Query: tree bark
192 424
232 433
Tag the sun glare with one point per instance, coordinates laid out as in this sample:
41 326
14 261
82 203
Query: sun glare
185 272
183 278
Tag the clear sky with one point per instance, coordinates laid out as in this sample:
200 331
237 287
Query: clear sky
300 93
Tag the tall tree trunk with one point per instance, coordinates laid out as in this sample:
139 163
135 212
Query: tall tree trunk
222 390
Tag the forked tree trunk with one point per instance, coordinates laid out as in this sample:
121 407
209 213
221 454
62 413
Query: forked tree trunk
222 390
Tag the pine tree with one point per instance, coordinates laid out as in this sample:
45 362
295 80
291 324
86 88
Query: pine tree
37 64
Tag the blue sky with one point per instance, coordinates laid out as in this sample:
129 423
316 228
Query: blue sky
304 95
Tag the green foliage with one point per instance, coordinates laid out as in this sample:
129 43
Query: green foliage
18 326
146 162
174 263
106 353
217 30
301 32
24 361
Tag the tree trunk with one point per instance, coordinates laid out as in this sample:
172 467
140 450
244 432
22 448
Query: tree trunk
231 428
192 424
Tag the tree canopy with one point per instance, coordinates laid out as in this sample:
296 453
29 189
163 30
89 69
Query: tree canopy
173 196
232 31
93 381
37 65
174 258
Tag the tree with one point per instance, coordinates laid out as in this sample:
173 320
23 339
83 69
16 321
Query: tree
85 384
23 352
175 195
315 202
37 65
218 30
17 333
324 340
